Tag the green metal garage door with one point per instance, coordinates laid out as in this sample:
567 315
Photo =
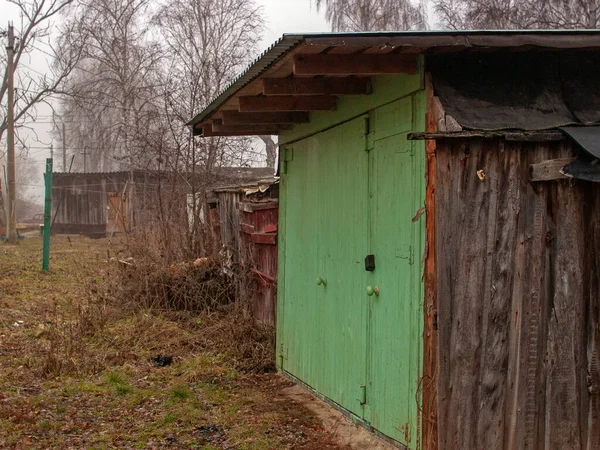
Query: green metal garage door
354 335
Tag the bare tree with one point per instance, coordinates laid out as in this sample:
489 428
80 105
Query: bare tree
271 150
207 42
29 174
33 34
110 97
373 15
519 14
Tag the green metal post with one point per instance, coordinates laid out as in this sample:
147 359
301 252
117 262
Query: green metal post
47 215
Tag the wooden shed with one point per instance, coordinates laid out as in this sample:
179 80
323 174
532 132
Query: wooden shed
101 203
245 216
439 229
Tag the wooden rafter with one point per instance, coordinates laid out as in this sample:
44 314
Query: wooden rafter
248 118
288 103
258 130
363 64
218 127
316 86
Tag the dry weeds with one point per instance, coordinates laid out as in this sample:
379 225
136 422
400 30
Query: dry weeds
76 366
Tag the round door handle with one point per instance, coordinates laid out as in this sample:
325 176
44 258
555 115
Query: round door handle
321 281
372 290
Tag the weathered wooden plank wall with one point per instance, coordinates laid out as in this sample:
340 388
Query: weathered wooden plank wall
518 282
260 256
81 200
248 228
229 216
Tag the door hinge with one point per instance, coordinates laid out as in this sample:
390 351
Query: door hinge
363 395
368 135
281 356
407 252
288 155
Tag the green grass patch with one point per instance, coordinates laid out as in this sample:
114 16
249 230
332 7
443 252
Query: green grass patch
180 393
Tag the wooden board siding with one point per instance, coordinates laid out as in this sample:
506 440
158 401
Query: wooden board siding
261 247
428 385
81 200
518 300
248 228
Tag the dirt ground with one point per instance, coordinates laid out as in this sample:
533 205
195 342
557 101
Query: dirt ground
76 373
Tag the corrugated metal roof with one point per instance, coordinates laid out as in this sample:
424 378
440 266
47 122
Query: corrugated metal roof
483 38
246 186
260 64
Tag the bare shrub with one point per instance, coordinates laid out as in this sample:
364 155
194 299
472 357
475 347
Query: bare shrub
200 297
250 346
64 346
194 287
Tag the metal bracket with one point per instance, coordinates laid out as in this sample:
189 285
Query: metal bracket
363 395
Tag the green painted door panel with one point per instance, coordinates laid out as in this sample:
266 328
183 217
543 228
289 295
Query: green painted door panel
394 335
300 310
342 247
346 194
324 337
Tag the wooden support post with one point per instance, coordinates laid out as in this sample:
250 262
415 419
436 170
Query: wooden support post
288 103
11 177
369 64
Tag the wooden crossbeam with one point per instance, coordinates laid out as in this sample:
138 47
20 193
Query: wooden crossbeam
363 64
317 86
258 130
522 136
549 170
211 129
217 126
248 118
288 103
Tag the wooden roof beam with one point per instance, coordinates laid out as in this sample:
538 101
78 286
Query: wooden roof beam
363 64
208 131
271 118
288 103
217 126
317 86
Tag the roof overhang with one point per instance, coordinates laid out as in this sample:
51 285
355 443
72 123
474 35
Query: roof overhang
301 73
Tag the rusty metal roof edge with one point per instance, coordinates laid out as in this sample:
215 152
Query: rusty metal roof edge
283 45
290 41
243 186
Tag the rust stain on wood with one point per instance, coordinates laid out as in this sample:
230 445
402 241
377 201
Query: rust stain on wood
430 345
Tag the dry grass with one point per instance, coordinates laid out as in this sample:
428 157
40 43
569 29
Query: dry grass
76 366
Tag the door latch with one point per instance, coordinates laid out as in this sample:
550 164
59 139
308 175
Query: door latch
370 263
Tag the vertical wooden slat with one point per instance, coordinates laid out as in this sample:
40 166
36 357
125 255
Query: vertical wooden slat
517 283
430 345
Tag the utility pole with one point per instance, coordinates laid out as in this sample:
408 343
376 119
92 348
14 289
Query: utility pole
10 162
64 136
85 153
51 151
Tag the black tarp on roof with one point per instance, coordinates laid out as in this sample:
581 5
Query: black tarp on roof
518 90
588 138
